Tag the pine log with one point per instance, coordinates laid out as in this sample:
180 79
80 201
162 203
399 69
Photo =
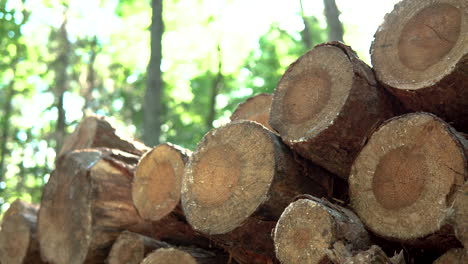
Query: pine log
460 215
96 131
158 180
238 182
86 204
340 254
326 104
256 108
420 54
183 256
403 183
18 239
309 227
131 248
453 256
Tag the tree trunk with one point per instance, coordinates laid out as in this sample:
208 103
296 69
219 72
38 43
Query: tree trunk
159 169
334 26
215 89
309 227
152 108
95 131
7 110
256 108
420 54
238 181
131 248
306 33
61 82
326 104
184 256
91 75
18 239
86 204
404 181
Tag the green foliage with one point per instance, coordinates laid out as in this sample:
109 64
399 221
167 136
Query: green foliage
106 73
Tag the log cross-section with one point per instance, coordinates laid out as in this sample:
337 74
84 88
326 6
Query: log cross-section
326 104
403 183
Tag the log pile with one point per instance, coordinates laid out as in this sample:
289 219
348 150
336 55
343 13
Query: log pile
342 164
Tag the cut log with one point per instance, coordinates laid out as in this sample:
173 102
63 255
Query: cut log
326 104
86 204
403 182
309 228
183 256
239 180
420 54
460 214
453 256
340 254
131 248
256 108
18 240
96 131
158 180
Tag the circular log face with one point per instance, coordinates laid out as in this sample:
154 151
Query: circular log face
429 35
303 232
403 180
256 108
311 93
228 176
157 183
420 42
169 256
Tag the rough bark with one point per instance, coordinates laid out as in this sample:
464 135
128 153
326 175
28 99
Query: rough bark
309 228
184 256
256 108
96 131
459 218
131 248
340 254
453 256
238 182
18 239
86 204
420 54
326 104
152 107
403 183
334 26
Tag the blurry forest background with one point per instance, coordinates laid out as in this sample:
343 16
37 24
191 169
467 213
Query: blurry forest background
164 71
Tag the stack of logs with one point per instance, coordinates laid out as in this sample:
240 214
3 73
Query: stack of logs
342 164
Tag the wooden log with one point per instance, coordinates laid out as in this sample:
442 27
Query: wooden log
238 182
86 204
403 182
459 218
183 256
158 180
131 248
309 227
340 254
420 54
256 108
453 256
326 104
18 239
96 131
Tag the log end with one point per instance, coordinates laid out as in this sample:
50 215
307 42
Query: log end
256 108
403 181
169 256
157 182
129 248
